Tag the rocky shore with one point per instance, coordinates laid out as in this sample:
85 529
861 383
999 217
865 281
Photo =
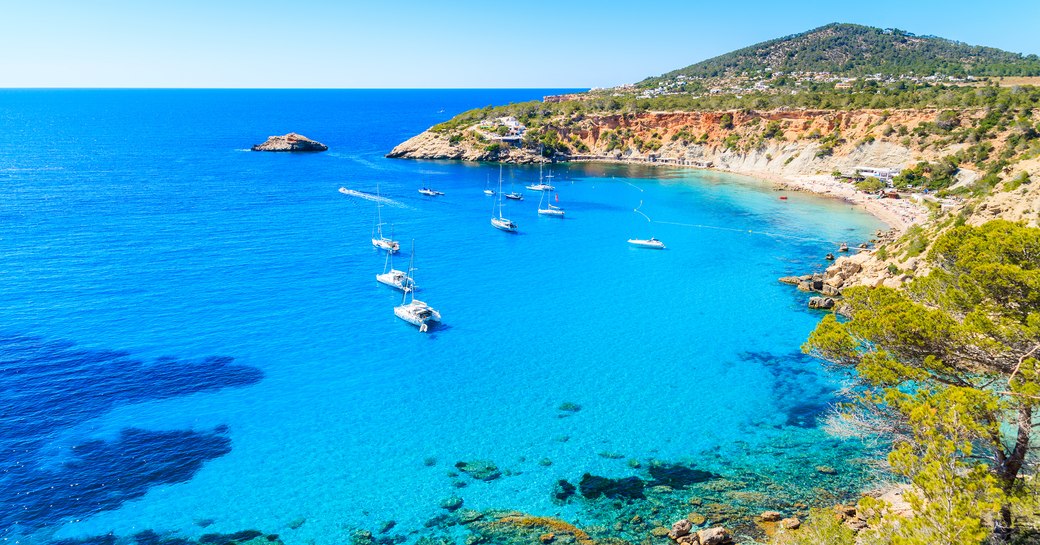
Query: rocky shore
291 142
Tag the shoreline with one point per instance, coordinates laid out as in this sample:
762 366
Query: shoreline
898 214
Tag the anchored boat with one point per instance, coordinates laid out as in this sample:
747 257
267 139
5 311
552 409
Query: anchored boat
378 240
412 310
500 222
394 278
651 242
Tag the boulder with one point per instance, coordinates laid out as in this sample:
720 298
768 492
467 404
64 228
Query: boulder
770 516
790 523
805 286
821 302
714 536
793 280
680 528
688 540
290 142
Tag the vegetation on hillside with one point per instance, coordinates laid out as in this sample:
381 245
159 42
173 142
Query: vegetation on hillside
856 50
949 372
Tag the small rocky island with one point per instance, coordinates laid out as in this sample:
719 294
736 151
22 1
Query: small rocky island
290 142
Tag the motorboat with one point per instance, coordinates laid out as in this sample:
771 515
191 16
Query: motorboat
515 196
430 192
651 242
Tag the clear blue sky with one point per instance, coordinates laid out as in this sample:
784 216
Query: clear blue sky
406 43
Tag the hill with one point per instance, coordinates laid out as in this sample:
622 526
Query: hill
857 50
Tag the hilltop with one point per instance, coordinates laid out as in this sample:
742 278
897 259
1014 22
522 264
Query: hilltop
856 50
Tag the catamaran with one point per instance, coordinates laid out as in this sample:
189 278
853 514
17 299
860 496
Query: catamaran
651 242
415 311
378 240
543 182
394 278
500 222
550 209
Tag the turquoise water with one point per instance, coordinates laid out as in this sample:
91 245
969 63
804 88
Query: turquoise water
135 221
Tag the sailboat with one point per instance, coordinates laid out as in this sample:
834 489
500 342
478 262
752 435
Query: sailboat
542 184
500 222
487 187
550 209
430 192
378 240
415 311
394 278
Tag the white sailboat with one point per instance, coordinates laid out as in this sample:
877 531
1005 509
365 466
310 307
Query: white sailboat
500 222
415 311
394 278
378 240
550 209
543 182
487 187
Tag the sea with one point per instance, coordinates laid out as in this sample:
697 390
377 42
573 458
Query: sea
192 340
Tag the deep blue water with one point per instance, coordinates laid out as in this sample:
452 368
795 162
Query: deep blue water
190 331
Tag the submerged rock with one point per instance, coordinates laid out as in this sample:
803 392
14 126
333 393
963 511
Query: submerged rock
678 476
569 407
593 487
481 470
451 504
563 490
290 142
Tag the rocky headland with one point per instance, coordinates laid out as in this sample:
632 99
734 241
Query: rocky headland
290 142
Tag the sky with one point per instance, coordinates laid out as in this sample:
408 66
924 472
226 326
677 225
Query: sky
437 44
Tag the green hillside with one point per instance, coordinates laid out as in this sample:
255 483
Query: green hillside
856 50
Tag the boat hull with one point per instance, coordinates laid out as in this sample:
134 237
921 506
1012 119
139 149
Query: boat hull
391 246
503 225
418 314
552 213
644 243
396 279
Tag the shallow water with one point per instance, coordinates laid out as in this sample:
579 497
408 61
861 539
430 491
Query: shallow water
192 331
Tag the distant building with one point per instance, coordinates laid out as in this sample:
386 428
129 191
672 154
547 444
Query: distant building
883 174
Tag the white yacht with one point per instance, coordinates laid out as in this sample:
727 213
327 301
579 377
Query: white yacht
412 310
378 240
394 278
499 222
430 192
550 209
651 242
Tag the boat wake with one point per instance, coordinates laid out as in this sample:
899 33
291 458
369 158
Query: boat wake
370 197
